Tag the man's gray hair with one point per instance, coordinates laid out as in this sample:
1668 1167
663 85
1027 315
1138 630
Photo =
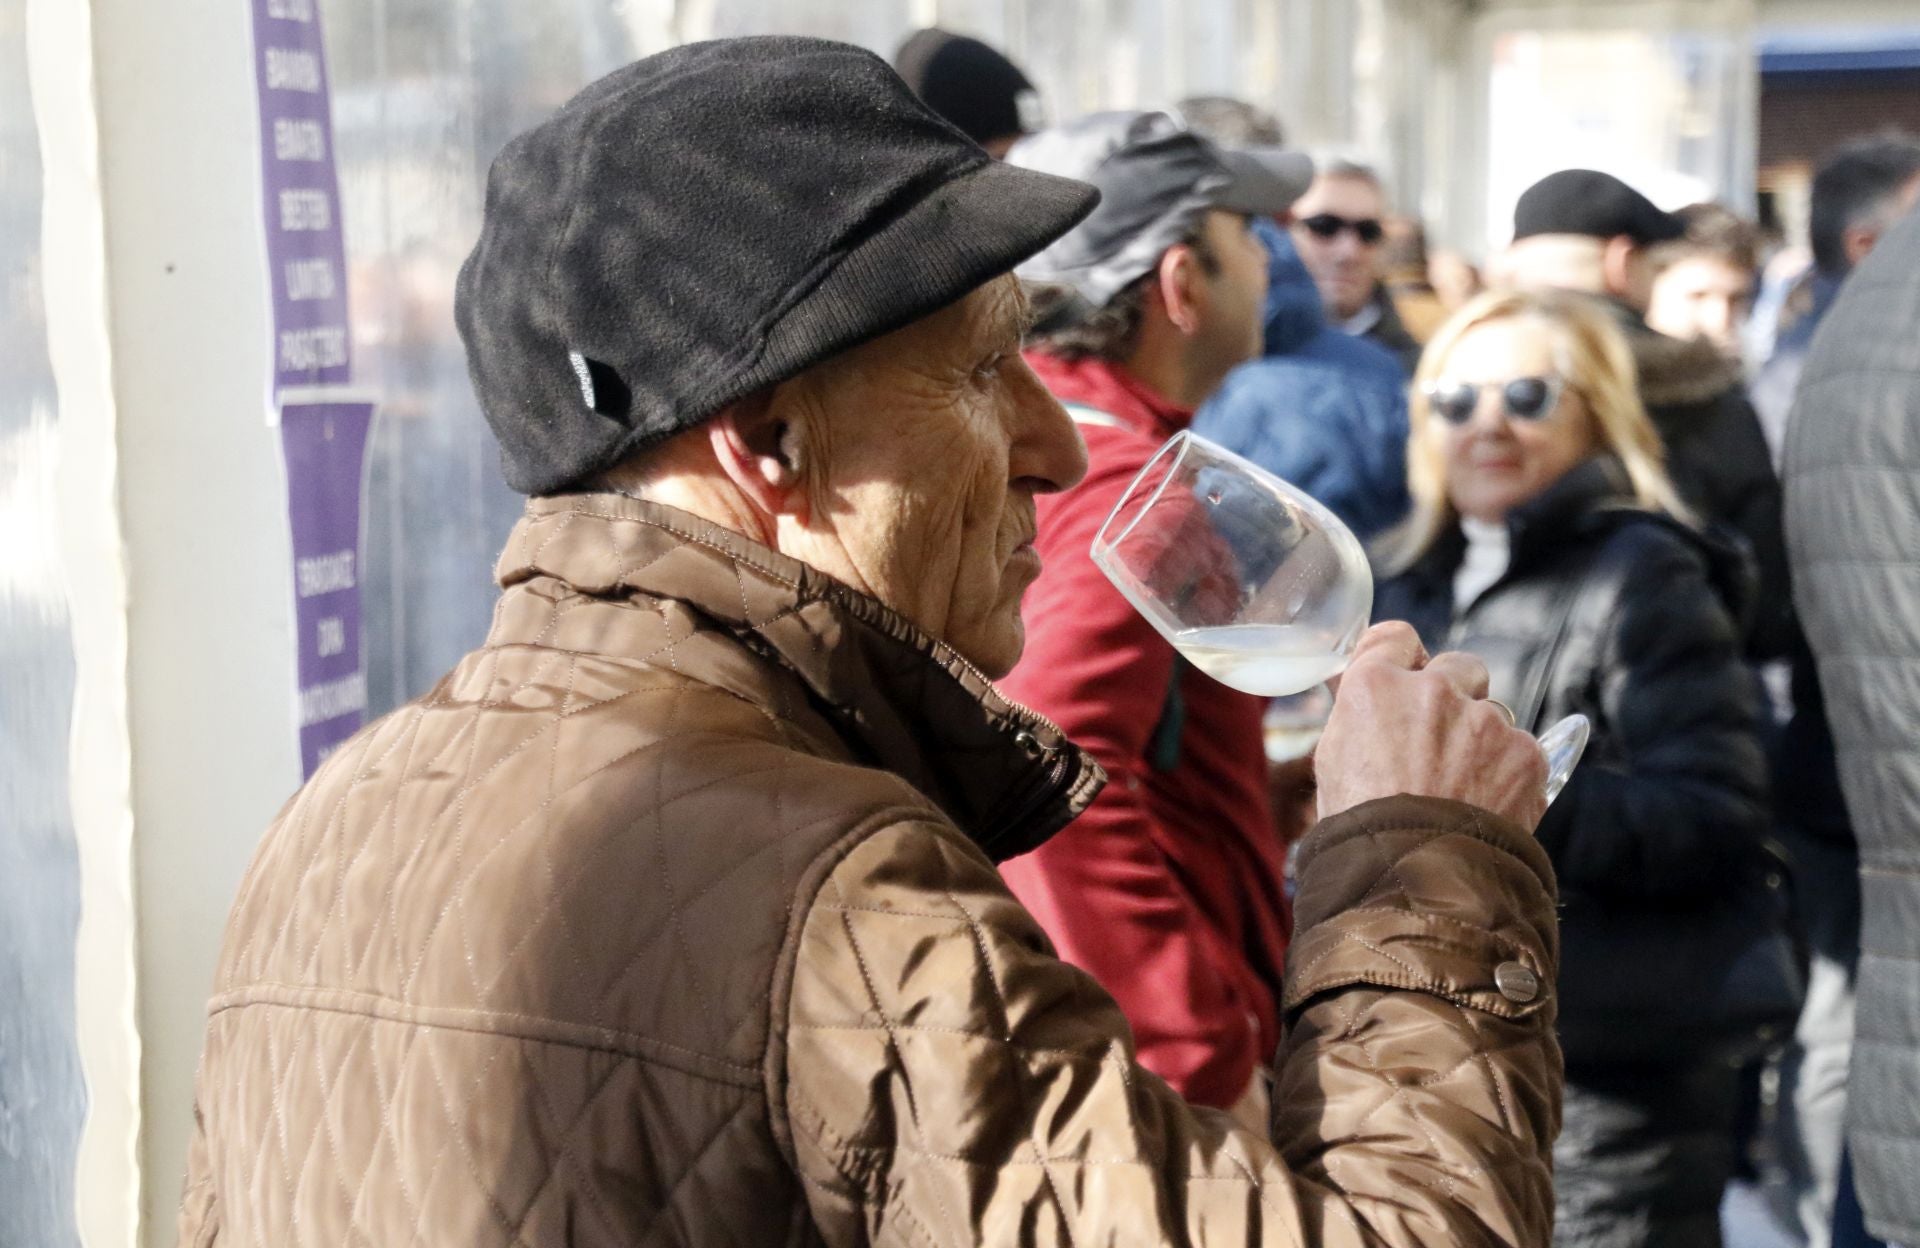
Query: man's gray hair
1228 122
1347 165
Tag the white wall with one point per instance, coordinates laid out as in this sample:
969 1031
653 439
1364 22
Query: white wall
210 622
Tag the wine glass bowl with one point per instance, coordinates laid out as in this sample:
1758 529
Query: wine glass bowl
1256 583
1251 580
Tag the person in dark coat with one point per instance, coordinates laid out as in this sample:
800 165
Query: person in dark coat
1859 193
1546 539
1321 409
1587 231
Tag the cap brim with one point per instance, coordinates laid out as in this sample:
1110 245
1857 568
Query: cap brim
959 235
1266 180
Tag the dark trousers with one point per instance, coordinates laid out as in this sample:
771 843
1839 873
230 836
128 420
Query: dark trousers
1849 1223
1644 1155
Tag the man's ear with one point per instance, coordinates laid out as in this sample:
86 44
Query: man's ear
1858 240
1617 267
758 444
1177 278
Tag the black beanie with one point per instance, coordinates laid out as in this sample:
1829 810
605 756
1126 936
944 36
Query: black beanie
1598 205
712 220
970 84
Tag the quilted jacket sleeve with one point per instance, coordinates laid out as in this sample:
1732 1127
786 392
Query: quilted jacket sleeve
949 1082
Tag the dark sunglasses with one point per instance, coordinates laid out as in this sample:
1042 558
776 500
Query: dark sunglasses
1328 225
1526 398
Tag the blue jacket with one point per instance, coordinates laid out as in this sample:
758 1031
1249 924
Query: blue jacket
1322 409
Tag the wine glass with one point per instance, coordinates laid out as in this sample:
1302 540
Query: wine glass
1254 582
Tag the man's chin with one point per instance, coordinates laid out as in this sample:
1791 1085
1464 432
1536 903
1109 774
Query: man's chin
997 653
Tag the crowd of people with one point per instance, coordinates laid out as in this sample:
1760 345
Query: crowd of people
822 849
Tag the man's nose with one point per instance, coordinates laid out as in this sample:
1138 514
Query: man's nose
1048 454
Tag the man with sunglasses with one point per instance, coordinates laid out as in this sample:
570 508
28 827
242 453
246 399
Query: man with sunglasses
1338 229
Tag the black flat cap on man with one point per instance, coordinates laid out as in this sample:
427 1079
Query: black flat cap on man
1157 180
712 220
969 83
1595 204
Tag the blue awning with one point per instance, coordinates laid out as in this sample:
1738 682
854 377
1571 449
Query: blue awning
1839 51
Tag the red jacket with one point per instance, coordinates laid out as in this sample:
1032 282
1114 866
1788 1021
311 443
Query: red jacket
1168 890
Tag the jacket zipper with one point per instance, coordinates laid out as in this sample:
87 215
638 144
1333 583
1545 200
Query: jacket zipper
1017 707
1051 785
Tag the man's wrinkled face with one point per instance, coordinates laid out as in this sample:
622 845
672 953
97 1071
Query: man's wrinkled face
1702 296
1345 212
923 451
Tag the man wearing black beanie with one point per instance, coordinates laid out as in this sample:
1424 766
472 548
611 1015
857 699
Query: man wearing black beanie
972 85
670 915
1587 231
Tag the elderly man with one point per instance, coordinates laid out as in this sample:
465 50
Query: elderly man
670 914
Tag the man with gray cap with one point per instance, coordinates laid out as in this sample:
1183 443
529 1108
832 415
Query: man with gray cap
1169 889
669 916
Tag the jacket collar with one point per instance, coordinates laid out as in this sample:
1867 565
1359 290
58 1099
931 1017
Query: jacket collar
1107 387
1595 485
1593 497
1673 372
1539 526
906 703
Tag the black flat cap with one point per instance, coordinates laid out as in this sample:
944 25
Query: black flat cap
710 221
1598 205
969 83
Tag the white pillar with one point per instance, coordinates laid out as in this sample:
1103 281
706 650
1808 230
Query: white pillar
175 537
92 558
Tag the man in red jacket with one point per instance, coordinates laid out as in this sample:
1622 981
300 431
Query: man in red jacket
1168 890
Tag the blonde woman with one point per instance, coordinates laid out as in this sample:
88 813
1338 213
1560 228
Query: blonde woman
1546 538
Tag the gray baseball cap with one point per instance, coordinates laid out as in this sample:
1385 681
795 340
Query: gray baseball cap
1157 180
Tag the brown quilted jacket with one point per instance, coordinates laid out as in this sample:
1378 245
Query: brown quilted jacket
670 917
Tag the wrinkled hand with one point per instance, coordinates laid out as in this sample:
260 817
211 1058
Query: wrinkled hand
1405 724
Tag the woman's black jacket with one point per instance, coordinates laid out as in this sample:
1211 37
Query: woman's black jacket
1625 616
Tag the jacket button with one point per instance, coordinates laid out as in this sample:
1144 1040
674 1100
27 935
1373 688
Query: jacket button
1516 983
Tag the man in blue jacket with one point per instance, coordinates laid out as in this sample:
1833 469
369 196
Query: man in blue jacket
1322 409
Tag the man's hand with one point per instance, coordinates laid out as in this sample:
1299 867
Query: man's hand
1404 724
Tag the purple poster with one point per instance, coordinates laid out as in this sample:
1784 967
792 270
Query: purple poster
306 252
323 438
325 447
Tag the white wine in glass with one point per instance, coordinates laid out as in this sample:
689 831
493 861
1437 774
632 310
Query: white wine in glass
1253 581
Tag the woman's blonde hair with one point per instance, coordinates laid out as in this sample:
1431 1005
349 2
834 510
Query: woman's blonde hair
1591 355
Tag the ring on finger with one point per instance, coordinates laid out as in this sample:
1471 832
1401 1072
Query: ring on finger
1504 710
